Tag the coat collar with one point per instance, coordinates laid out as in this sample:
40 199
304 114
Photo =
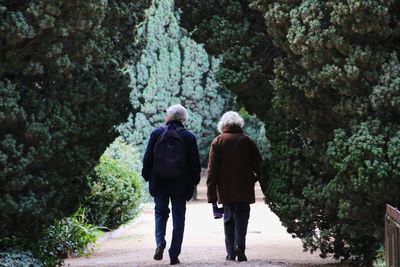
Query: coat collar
175 123
232 129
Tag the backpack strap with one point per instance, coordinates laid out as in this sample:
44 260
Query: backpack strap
165 128
179 129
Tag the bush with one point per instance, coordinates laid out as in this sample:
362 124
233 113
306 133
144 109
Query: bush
125 154
15 258
335 164
128 155
255 128
115 194
69 236
61 92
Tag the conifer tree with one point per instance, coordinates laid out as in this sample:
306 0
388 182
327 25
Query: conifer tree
61 92
337 85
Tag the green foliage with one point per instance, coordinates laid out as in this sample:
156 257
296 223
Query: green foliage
128 156
380 261
61 92
337 88
70 236
255 128
332 116
232 29
16 258
125 154
115 194
173 69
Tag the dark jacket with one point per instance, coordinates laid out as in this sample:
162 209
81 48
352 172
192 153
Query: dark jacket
233 168
183 186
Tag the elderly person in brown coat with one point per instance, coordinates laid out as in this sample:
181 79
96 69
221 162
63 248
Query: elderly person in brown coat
233 169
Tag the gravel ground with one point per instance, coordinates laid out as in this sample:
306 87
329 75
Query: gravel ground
268 243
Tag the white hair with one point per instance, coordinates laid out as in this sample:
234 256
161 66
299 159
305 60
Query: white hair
177 112
230 118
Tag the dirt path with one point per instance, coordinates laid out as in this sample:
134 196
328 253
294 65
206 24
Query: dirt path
268 243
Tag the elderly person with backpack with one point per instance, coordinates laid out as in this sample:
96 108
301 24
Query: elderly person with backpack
171 165
233 169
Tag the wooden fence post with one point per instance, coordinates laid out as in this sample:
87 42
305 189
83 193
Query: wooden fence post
392 237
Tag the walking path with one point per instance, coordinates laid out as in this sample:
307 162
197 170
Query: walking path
268 243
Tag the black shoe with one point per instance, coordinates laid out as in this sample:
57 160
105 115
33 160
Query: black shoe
240 254
159 253
230 258
174 261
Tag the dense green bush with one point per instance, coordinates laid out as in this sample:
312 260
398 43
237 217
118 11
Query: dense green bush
115 194
61 92
255 128
16 258
231 29
128 155
125 154
70 236
339 81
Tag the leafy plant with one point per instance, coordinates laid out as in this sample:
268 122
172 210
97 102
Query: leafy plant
255 128
70 236
15 258
116 193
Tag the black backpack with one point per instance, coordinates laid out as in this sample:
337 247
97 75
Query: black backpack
169 154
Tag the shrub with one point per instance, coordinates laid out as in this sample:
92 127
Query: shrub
61 92
235 31
125 154
70 236
128 155
332 116
115 194
15 258
255 128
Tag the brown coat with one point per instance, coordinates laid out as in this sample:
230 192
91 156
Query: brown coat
233 168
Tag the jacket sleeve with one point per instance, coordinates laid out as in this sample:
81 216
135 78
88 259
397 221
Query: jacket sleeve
256 158
212 177
194 158
148 156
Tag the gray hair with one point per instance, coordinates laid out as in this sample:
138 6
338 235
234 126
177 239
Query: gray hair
230 118
177 112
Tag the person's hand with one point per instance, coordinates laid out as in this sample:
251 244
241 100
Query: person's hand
217 212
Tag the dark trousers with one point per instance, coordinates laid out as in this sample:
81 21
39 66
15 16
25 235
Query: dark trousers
178 217
236 219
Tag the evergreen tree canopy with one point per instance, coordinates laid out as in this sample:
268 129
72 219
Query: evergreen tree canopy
334 118
61 92
232 29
